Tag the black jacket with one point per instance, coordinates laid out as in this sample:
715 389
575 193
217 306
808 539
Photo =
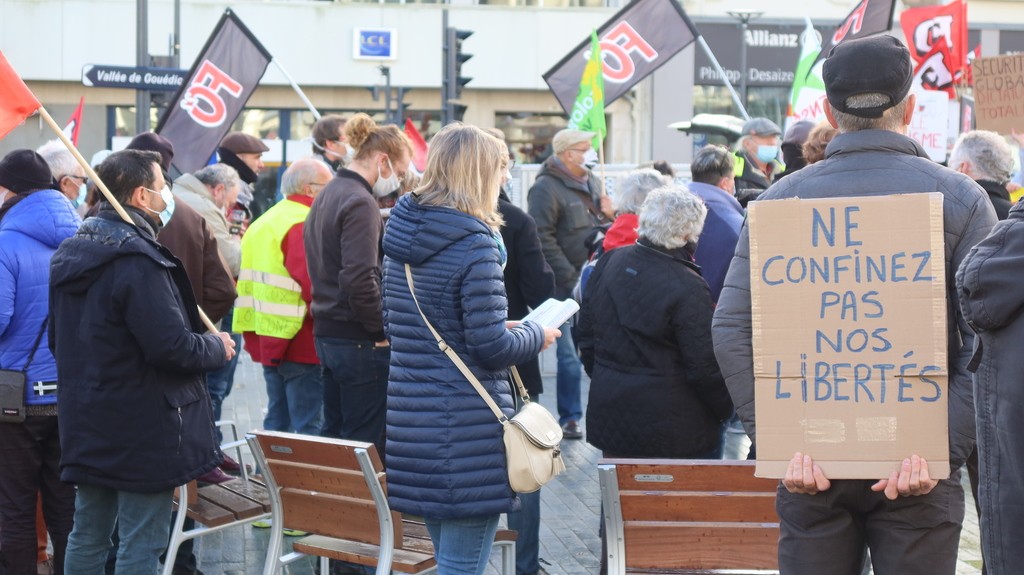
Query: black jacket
528 278
645 341
999 197
134 411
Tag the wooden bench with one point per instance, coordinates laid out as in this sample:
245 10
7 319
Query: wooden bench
336 490
215 507
688 516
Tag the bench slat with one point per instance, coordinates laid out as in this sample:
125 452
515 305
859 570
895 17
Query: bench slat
698 506
663 545
209 514
239 506
689 476
334 516
253 491
405 561
313 450
320 478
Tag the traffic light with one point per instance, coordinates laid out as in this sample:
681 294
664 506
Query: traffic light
453 80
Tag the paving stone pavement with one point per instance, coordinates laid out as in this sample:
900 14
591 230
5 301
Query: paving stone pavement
570 505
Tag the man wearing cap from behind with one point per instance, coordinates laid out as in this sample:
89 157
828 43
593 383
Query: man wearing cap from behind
567 201
910 522
756 164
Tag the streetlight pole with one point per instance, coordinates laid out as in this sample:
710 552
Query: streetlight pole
744 16
142 123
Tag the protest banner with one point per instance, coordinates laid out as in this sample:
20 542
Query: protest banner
999 93
930 123
849 332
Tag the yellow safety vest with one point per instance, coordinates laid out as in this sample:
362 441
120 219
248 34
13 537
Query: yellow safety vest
741 162
269 300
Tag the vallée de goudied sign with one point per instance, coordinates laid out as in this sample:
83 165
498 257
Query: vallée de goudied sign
849 331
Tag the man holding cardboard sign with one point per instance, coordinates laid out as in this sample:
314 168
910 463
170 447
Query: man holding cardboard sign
840 317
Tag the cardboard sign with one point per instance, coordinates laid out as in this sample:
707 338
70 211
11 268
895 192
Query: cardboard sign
999 93
849 332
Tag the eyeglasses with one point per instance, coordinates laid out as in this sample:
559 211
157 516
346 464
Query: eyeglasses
316 184
511 162
580 150
81 179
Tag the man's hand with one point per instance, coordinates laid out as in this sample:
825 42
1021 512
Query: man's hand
550 335
607 207
911 480
382 343
803 476
229 345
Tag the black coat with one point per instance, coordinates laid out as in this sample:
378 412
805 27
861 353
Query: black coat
999 197
528 278
645 341
135 414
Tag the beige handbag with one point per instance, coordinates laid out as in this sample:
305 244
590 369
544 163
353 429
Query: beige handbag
532 437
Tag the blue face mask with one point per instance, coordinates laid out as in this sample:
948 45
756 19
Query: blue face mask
83 192
767 153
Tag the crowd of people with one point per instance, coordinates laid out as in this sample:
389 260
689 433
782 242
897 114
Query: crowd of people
331 290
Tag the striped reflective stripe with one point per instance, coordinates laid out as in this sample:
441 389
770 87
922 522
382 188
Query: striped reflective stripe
283 310
267 278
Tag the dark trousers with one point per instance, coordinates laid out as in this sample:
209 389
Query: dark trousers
828 532
355 379
30 464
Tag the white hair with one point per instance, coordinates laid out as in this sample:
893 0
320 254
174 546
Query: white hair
891 120
991 158
671 217
632 189
59 158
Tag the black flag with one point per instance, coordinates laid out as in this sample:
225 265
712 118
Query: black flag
219 84
635 42
868 18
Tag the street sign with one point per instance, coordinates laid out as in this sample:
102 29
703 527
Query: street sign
152 79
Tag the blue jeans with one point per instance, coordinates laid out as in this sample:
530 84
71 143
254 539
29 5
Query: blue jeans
526 524
219 381
462 546
355 378
295 398
144 523
570 404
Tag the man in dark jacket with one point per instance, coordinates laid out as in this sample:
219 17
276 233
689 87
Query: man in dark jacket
567 201
910 522
986 158
134 412
756 158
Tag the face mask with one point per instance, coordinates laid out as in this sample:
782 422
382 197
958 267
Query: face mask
168 198
386 186
83 192
767 153
590 158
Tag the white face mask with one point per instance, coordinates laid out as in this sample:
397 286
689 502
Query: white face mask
386 186
168 198
83 192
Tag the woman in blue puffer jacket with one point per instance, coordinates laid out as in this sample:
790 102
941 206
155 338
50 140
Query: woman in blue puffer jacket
445 456
34 220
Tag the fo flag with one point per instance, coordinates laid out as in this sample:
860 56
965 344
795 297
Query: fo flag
868 18
221 80
635 42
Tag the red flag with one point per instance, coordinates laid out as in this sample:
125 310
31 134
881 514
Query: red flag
16 101
927 26
419 146
75 123
935 72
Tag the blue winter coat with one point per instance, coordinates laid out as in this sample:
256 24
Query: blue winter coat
445 456
29 234
134 411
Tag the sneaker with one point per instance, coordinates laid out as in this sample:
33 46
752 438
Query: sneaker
571 430
230 466
266 523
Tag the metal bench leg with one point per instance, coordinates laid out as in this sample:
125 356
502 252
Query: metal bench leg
176 530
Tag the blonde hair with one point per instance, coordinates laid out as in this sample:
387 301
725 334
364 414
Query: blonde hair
465 166
363 134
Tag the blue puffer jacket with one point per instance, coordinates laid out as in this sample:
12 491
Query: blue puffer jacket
29 234
445 456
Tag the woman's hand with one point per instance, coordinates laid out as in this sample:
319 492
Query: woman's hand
550 335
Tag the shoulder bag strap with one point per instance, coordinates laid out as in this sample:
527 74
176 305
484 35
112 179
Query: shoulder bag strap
458 361
35 346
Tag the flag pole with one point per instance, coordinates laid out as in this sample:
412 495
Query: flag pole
721 74
106 192
298 90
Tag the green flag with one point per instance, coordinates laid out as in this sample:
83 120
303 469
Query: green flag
805 102
588 111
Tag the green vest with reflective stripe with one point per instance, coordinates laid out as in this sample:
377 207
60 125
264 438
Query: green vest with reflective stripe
269 300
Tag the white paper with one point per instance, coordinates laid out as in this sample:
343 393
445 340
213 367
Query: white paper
553 312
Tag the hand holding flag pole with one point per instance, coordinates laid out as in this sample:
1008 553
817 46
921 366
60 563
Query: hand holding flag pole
17 103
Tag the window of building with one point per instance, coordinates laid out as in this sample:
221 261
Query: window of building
529 134
771 102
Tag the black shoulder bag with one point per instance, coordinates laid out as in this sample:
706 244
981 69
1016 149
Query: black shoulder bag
12 386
